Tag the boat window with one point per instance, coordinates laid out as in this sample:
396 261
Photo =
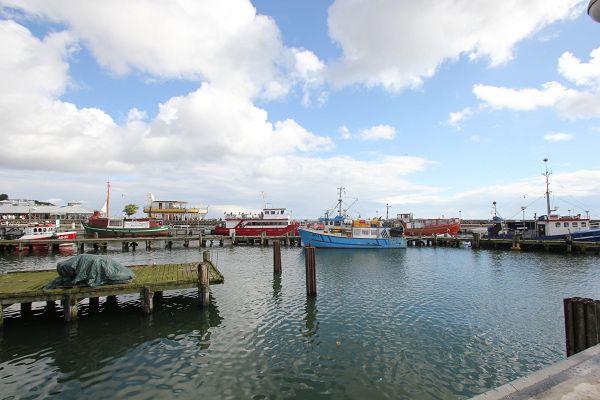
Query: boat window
566 224
34 230
44 229
583 224
365 232
574 223
558 224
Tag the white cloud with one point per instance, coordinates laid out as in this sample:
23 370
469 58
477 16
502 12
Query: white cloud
558 137
581 73
455 119
226 43
378 132
521 99
569 103
344 132
396 44
38 130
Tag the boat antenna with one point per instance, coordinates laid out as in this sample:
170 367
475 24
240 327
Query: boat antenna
262 193
108 198
339 204
547 174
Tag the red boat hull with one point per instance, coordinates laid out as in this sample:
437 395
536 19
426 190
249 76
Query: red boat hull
450 229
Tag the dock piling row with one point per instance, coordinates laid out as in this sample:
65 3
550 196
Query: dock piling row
582 324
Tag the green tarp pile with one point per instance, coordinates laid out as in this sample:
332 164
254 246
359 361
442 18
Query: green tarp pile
90 270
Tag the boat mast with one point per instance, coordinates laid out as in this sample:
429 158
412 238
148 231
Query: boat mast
108 199
341 189
547 176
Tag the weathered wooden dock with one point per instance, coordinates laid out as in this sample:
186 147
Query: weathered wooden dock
150 281
516 244
9 246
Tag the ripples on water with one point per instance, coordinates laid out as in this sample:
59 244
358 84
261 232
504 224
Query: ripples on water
427 323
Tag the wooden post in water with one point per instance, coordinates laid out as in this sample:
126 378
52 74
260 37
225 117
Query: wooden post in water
569 243
94 304
1 315
591 323
582 324
277 257
70 308
311 273
146 297
476 239
569 327
25 309
203 280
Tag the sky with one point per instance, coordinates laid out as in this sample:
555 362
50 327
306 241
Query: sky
433 107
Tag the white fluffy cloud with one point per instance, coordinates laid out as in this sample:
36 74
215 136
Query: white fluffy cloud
570 103
225 42
396 44
456 119
378 132
558 137
39 130
211 135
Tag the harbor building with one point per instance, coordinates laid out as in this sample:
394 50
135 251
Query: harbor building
174 210
24 210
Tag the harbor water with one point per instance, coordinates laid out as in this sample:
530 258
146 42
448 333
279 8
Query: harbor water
418 323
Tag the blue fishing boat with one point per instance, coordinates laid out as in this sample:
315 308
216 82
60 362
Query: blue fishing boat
341 232
378 238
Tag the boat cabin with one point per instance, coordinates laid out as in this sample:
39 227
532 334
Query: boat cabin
40 230
556 225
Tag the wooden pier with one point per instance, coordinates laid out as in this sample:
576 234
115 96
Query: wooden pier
515 244
128 243
150 281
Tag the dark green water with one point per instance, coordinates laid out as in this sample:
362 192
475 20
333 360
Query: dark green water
426 323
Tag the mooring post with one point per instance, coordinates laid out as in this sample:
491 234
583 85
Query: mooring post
70 308
94 304
277 257
148 245
569 243
1 315
569 327
579 322
125 246
263 238
111 301
200 242
591 324
81 247
203 280
146 297
311 273
158 296
50 306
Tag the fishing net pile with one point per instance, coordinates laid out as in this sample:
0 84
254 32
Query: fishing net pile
90 270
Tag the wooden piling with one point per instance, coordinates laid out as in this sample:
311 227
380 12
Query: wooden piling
146 297
203 281
311 273
94 303
579 322
591 328
569 327
111 301
277 257
70 308
1 315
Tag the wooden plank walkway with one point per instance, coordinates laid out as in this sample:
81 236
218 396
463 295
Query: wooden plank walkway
27 287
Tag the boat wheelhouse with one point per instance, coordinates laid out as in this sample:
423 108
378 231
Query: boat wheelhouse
174 211
269 222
